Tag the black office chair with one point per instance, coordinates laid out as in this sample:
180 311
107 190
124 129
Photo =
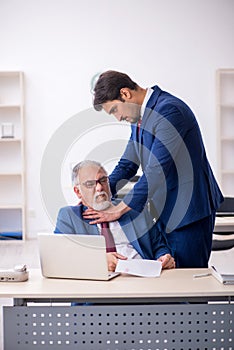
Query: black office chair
225 209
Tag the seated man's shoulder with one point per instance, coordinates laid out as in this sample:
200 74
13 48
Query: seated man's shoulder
70 209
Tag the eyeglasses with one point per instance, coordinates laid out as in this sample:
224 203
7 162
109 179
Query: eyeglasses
93 183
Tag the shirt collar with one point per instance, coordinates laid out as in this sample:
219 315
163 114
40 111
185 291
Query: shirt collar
149 92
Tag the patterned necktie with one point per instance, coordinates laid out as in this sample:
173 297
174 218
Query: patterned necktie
105 231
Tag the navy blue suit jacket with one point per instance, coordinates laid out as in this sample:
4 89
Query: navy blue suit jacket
177 178
139 229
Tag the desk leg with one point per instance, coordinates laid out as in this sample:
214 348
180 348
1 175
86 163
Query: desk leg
19 302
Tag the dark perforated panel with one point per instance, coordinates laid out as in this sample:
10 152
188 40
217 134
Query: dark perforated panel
120 327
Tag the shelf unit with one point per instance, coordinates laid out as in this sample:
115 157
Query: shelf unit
12 160
225 128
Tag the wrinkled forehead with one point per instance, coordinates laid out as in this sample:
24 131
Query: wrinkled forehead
91 172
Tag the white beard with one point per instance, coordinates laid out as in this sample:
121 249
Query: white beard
101 205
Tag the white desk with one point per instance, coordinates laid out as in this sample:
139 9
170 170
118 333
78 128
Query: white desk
172 284
129 313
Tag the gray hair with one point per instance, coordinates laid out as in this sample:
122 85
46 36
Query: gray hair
83 164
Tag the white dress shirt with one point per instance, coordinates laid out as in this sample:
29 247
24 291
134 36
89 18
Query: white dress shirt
123 246
149 92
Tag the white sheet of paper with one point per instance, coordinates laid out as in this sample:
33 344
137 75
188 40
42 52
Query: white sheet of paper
138 267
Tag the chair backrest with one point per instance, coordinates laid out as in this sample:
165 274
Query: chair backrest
227 205
226 241
222 244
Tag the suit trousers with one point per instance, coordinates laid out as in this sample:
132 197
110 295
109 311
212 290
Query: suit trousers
191 244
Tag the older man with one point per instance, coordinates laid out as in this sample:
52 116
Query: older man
133 236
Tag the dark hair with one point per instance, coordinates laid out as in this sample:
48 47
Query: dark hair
108 87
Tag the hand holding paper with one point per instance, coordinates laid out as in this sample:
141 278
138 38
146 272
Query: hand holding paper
138 267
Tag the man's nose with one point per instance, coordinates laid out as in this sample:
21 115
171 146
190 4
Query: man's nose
118 116
99 187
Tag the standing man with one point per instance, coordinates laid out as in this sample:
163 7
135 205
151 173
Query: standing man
177 179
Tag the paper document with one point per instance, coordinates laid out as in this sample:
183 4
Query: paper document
138 267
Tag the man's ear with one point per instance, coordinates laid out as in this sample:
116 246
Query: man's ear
77 191
125 94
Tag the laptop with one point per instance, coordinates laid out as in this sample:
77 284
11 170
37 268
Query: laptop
74 256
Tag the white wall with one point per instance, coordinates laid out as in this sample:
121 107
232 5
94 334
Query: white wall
61 44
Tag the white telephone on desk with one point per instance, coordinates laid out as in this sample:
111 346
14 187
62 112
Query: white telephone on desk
18 274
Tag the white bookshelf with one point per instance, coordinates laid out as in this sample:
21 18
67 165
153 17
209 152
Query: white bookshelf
225 123
12 160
